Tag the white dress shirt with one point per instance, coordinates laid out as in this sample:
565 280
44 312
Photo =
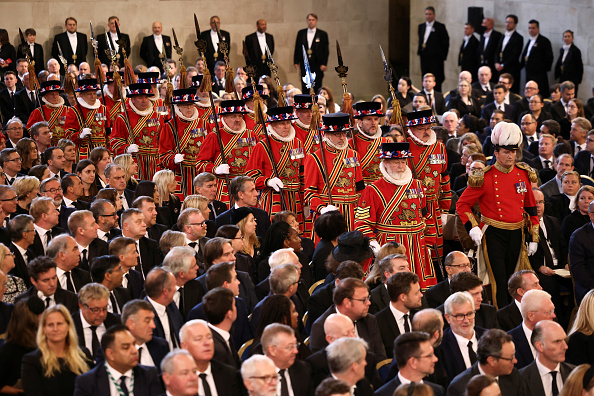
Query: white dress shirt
531 43
506 36
114 40
145 357
288 379
225 334
463 345
547 379
528 334
67 202
566 48
544 231
399 317
88 333
215 39
23 252
124 202
63 279
42 297
311 33
406 381
262 41
102 235
116 375
158 42
487 36
73 41
428 29
162 314
209 380
42 232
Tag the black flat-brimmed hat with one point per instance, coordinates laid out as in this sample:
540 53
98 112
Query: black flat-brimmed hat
238 214
352 245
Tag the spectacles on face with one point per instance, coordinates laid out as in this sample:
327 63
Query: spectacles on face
461 317
96 310
54 190
266 378
109 215
18 159
9 199
290 347
363 300
463 266
15 129
239 237
201 224
511 359
526 123
33 230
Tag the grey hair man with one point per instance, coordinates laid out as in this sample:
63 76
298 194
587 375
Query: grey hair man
181 262
346 360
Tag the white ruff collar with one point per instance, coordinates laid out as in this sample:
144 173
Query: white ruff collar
202 104
273 133
142 112
390 178
431 141
264 109
55 106
341 147
180 115
84 104
155 96
228 128
301 125
107 93
377 135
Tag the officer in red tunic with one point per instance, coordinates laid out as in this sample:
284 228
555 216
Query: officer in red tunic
393 208
430 167
180 143
141 137
302 105
54 110
288 155
113 107
247 94
368 139
238 143
89 129
203 104
505 196
158 104
344 172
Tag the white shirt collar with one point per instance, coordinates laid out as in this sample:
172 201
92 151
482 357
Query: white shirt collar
22 251
161 309
429 23
509 33
545 370
208 370
67 202
528 334
406 381
312 30
43 296
116 374
71 34
40 231
225 334
260 34
534 38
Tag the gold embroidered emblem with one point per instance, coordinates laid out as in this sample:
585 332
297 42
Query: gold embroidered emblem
406 215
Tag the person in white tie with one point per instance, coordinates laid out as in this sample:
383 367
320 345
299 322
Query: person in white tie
484 78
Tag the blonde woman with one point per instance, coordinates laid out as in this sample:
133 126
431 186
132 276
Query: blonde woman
52 368
169 204
244 218
374 277
26 188
69 150
14 284
581 336
130 167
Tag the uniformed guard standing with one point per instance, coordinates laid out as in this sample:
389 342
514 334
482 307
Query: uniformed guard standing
54 110
505 196
302 105
114 107
288 156
393 208
203 104
158 104
247 95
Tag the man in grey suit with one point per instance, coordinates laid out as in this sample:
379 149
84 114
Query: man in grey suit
548 372
553 186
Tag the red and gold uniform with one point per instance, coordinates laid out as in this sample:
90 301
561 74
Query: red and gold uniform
368 149
55 115
145 130
113 107
288 155
206 115
310 141
250 123
247 95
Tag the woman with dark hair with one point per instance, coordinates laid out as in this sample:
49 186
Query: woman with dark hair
328 227
8 57
579 217
111 194
244 218
404 92
20 340
482 385
100 157
268 84
27 149
85 170
234 234
331 105
41 172
280 235
147 188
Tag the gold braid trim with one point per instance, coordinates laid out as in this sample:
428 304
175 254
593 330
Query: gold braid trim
531 172
472 219
533 230
476 178
501 224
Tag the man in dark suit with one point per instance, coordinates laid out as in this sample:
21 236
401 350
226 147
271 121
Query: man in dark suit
181 261
467 57
536 306
484 85
553 187
510 97
434 44
191 223
495 358
510 317
72 43
508 51
280 345
416 360
36 50
499 93
106 218
25 101
549 340
92 320
102 40
454 263
179 374
405 295
120 357
213 53
152 47
134 226
72 189
351 298
346 360
537 57
64 251
160 289
315 42
581 257
388 266
221 312
107 271
42 272
488 46
22 236
83 228
7 97
125 249
460 341
196 338
256 45
559 109
569 66
434 98
147 205
205 184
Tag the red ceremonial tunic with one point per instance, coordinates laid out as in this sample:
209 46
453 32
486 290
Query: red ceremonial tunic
97 120
288 157
145 133
368 149
161 109
205 112
238 147
113 108
388 212
250 123
310 141
55 117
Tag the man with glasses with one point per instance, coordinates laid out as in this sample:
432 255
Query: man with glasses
519 284
8 203
259 376
583 159
51 188
520 106
191 222
454 263
10 161
510 97
458 348
106 218
529 129
108 271
93 318
134 226
14 131
416 360
22 235
536 305
351 298
281 346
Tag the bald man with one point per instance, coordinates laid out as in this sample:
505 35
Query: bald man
454 262
256 45
153 46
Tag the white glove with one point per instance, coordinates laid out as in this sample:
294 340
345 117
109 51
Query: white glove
178 158
85 132
222 169
532 247
328 208
477 235
275 183
375 246
444 219
133 148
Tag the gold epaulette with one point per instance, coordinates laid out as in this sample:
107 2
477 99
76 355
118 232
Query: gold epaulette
476 178
531 172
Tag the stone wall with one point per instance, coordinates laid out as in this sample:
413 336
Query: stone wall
555 16
358 27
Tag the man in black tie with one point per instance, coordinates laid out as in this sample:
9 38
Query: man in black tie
454 263
180 374
559 109
41 135
107 271
215 378
114 175
181 261
347 361
434 44
72 189
218 80
53 158
487 47
83 228
134 226
280 345
160 289
434 98
107 219
152 47
125 249
205 184
7 97
63 249
10 161
256 45
529 127
191 223
547 374
580 128
545 158
149 210
405 295
221 312
35 48
25 101
22 236
519 283
102 40
388 266
315 42
483 85
46 219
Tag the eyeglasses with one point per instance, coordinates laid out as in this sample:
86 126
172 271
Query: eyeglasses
526 123
463 266
201 224
15 160
33 230
460 317
290 347
54 190
511 359
239 237
9 199
425 356
109 215
15 129
363 300
267 378
96 310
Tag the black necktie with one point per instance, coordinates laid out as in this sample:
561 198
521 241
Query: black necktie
172 332
84 263
114 303
181 301
406 326
212 208
32 96
554 387
192 245
205 385
95 340
140 355
47 302
547 164
429 100
48 238
69 284
283 381
123 385
471 353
